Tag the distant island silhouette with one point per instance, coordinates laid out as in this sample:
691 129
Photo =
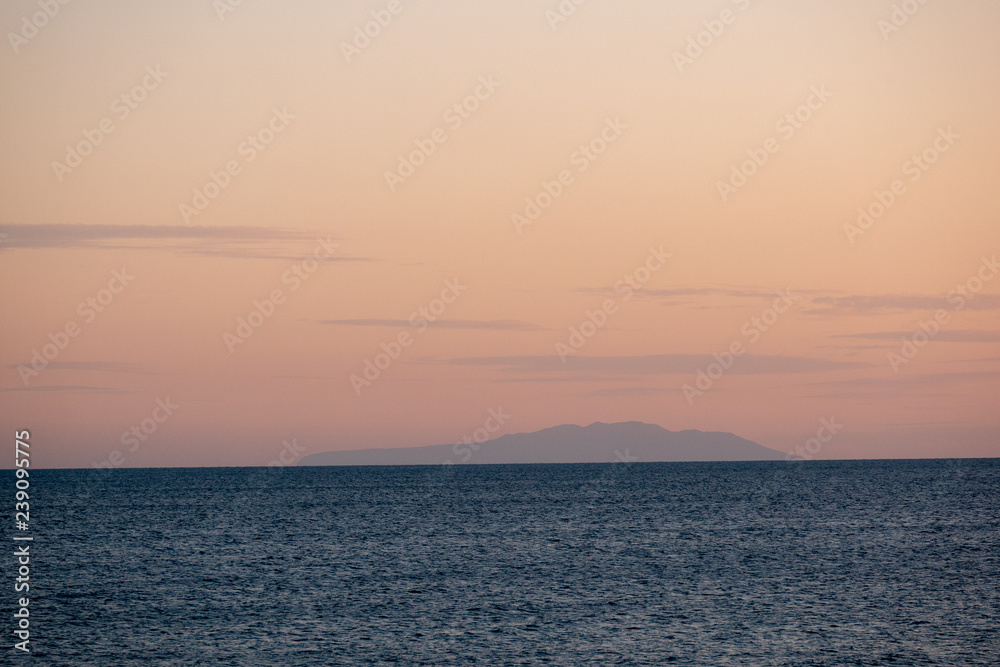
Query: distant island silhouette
568 443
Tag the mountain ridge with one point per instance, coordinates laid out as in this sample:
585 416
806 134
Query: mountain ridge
598 442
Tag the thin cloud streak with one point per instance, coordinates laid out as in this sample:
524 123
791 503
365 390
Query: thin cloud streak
896 383
77 389
613 392
61 236
98 366
657 364
954 336
491 325
752 293
228 242
877 304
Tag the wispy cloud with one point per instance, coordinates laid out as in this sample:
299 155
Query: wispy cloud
820 302
614 392
61 236
951 336
697 297
493 325
752 293
99 366
886 303
655 364
77 389
230 242
933 383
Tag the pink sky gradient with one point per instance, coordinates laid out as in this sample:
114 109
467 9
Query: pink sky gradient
915 107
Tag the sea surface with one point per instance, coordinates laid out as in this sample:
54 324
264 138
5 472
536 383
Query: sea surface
765 563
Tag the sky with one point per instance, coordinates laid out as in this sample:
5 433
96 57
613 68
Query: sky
233 233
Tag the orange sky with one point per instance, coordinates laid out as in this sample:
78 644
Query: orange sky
613 122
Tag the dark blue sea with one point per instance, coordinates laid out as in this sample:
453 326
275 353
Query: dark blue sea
774 563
